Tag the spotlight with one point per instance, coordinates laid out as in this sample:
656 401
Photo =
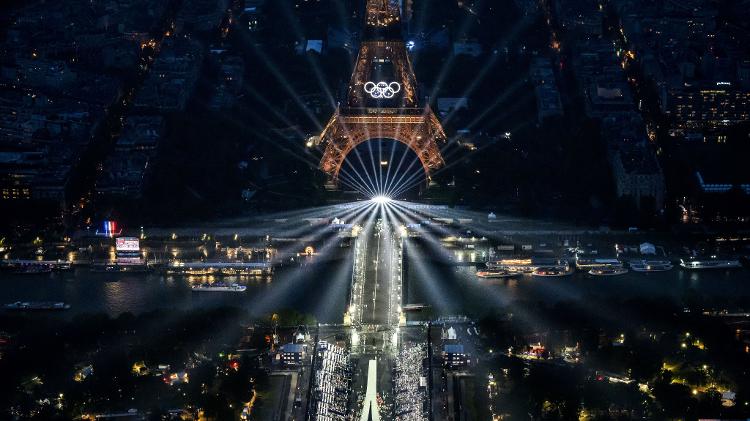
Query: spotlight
381 199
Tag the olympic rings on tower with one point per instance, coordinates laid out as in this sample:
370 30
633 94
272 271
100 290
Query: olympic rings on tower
382 90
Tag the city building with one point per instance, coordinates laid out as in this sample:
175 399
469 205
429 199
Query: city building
599 69
251 14
229 86
702 79
636 170
454 356
637 174
32 175
58 85
548 102
172 78
707 105
200 15
606 97
583 17
123 174
294 353
141 133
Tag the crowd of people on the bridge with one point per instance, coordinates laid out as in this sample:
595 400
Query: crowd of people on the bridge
410 384
332 383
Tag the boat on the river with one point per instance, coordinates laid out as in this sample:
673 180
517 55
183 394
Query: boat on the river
120 268
710 263
608 271
496 274
36 305
218 287
553 272
31 267
525 265
596 262
415 307
219 268
651 265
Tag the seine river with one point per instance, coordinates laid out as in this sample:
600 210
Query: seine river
320 288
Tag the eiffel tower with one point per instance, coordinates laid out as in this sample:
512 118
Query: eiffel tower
381 100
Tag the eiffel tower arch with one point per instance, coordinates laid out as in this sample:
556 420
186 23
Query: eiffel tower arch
381 100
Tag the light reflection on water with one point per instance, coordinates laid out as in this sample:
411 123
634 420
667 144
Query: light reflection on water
113 294
321 289
464 292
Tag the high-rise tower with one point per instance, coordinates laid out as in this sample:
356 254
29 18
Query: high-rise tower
382 100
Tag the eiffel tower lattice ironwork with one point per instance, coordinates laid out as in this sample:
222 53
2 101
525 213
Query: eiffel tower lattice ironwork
381 101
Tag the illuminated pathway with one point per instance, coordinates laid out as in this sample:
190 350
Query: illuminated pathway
374 313
375 299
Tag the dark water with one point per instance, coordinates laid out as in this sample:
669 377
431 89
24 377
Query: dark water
467 293
321 288
312 288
